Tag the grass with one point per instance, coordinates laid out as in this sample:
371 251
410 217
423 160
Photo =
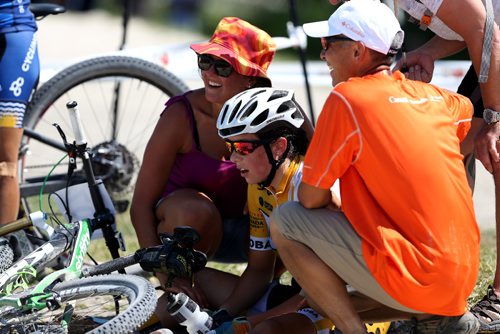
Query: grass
486 273
486 266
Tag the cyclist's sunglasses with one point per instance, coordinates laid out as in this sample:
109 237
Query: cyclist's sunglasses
222 68
325 41
245 147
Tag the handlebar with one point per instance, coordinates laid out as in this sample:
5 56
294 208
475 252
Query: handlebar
175 257
74 116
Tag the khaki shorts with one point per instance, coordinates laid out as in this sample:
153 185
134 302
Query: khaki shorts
330 235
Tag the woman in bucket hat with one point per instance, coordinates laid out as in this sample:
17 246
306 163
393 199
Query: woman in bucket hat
187 177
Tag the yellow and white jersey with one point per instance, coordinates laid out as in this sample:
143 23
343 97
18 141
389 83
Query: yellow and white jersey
262 201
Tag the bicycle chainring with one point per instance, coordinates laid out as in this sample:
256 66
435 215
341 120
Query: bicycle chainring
117 167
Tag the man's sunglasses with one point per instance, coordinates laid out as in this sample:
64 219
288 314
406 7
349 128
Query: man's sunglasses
222 68
325 41
245 147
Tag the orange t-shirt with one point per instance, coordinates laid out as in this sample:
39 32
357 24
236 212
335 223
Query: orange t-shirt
394 144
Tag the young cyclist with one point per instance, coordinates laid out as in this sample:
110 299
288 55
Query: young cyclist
261 128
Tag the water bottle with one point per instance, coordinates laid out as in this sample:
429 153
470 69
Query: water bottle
186 312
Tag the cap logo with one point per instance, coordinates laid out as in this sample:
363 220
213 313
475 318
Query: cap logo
353 29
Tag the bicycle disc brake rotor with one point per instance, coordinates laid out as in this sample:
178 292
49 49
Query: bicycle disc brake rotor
117 167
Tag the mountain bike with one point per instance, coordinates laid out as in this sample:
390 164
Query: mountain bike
62 301
122 96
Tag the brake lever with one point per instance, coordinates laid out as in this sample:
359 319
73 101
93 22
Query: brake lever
70 149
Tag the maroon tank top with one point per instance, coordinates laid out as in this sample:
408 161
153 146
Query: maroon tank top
218 179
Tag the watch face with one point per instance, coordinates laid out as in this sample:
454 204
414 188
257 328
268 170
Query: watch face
491 116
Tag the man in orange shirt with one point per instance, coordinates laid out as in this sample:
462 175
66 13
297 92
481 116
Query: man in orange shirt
406 242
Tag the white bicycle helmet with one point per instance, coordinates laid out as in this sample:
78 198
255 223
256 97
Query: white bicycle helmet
259 109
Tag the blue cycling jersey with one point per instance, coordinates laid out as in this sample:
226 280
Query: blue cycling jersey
16 16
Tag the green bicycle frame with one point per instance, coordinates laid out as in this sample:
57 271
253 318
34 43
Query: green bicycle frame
38 296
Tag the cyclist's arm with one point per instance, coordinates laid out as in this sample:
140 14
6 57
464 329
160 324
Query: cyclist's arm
170 136
252 283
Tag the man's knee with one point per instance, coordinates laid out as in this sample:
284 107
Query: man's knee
8 169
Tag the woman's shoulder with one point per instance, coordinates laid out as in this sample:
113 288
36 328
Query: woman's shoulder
197 99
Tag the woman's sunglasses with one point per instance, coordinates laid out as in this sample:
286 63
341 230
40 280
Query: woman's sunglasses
325 41
245 147
222 68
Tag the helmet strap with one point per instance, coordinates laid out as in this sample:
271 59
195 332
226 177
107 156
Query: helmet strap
275 164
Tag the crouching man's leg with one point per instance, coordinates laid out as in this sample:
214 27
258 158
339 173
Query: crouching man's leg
323 252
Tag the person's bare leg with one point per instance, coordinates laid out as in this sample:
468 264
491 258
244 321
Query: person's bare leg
187 207
467 150
289 323
10 139
496 178
320 283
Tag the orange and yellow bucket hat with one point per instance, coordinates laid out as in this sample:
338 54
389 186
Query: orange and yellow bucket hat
247 48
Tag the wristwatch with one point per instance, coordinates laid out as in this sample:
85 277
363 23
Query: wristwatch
491 116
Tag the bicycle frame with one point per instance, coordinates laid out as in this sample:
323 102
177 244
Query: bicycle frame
40 296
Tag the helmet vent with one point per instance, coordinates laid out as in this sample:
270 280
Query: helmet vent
229 132
233 114
261 118
224 111
277 94
284 107
249 110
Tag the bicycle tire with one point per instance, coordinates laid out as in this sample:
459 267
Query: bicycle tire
137 291
145 87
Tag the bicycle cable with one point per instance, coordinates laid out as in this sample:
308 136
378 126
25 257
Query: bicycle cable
46 179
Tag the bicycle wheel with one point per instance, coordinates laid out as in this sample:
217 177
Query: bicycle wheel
102 304
117 125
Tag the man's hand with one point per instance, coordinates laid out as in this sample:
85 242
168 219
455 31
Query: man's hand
487 145
416 66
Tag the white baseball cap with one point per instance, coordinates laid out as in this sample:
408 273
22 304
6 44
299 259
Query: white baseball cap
367 21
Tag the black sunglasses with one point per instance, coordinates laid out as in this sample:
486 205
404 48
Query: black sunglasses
222 68
325 41
245 147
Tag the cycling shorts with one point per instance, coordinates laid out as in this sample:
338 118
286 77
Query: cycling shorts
20 69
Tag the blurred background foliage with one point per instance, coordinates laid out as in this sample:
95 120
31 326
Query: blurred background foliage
271 15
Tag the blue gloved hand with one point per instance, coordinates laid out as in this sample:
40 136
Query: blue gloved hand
238 326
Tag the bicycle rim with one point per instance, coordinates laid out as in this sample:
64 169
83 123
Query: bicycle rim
101 304
122 136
